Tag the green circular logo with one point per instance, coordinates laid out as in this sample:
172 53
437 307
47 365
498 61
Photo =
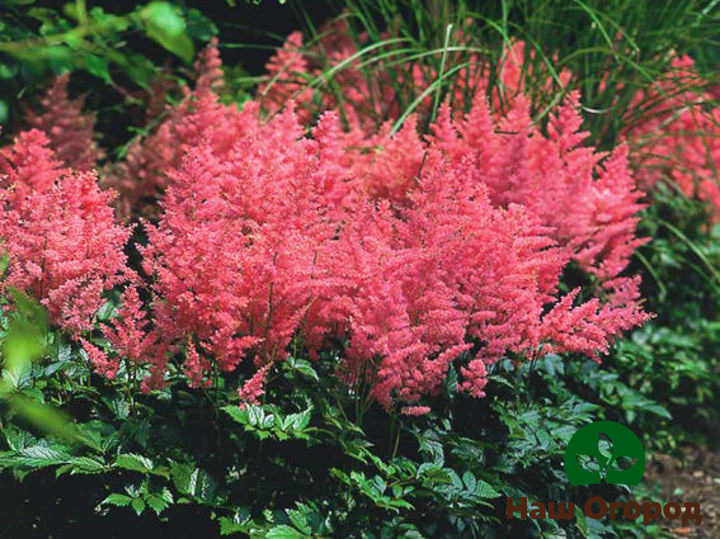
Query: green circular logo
604 449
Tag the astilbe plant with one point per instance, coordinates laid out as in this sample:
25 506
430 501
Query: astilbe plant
130 337
587 199
58 229
678 133
234 254
416 252
558 204
70 131
140 178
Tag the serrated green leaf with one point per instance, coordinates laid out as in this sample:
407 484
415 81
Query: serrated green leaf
133 462
120 500
138 505
159 503
82 466
229 526
299 520
283 531
302 366
485 490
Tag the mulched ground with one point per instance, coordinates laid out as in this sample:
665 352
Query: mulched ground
695 478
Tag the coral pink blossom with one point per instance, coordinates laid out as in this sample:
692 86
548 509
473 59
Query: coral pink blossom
677 136
68 128
414 252
58 229
101 362
142 176
253 389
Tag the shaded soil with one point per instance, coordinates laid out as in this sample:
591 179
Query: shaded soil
694 478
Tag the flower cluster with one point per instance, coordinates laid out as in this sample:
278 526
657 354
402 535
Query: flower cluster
678 137
405 253
58 229
130 337
68 128
234 254
675 135
141 177
414 251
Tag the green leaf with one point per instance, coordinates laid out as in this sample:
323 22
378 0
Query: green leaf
38 456
81 465
485 490
303 367
469 480
658 410
299 520
300 420
27 335
159 503
99 67
43 416
236 524
109 22
582 523
140 70
164 23
138 505
18 439
192 481
199 26
121 500
284 531
133 462
184 477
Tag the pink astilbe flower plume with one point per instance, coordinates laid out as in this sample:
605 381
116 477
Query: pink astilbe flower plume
58 229
417 252
128 333
678 134
131 338
141 177
287 72
208 68
103 364
234 254
589 200
69 130
253 389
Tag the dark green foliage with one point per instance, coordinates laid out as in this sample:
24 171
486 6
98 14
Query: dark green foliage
306 465
119 48
675 357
